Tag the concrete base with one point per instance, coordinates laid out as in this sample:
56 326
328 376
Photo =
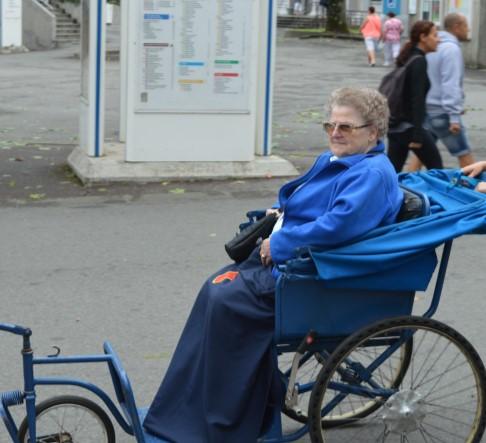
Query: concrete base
112 167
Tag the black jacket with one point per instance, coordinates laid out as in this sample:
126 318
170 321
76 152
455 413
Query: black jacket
417 84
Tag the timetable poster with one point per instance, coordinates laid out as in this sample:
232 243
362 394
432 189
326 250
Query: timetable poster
194 55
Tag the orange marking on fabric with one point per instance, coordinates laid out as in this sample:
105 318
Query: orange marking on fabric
227 276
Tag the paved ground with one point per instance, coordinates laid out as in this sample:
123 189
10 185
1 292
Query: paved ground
39 113
80 265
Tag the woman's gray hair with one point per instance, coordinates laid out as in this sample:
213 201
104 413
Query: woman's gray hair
368 103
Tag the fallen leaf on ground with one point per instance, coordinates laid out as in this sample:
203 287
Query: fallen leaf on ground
37 196
177 191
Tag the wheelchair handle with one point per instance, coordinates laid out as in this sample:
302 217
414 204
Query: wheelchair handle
15 329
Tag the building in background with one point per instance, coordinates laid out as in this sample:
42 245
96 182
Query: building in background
409 11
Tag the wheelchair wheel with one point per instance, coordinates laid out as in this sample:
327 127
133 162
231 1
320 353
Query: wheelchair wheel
441 397
69 419
311 365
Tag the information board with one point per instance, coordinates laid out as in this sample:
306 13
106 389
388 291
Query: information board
12 9
194 56
10 23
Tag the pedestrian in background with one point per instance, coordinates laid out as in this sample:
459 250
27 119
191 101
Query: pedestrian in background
407 132
445 100
392 32
371 30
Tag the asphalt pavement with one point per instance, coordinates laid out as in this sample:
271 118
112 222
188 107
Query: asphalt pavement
39 113
124 262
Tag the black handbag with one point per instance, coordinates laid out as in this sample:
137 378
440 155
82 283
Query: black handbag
240 247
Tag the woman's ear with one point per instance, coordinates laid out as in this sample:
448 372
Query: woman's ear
373 133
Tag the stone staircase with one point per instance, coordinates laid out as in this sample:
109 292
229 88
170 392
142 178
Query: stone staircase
300 21
68 29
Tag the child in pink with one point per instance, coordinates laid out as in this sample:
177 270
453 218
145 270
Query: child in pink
371 30
392 31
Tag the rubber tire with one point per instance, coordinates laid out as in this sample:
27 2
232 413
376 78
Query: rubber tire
70 400
348 345
301 418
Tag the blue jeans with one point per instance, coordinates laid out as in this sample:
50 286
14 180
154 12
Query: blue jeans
456 144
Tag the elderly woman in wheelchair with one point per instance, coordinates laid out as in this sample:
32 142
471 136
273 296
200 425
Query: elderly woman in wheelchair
222 384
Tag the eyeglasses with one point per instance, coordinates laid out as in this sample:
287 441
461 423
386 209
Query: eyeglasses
344 128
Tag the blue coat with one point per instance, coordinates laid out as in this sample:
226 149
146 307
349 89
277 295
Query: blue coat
336 201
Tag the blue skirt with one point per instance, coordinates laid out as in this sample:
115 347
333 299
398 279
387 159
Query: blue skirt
222 384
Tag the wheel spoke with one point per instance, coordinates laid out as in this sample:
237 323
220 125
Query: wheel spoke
433 437
468 388
435 361
452 408
459 422
423 434
448 431
417 348
439 376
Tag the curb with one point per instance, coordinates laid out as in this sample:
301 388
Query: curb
321 34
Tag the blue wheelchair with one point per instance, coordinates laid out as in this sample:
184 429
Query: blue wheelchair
356 364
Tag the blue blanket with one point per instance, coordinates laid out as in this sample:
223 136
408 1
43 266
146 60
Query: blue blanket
402 255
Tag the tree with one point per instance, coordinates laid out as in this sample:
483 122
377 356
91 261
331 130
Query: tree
336 16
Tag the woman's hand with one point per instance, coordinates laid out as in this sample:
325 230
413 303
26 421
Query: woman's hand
474 169
272 211
265 253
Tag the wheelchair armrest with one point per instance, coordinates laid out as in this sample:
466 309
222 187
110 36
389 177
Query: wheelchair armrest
415 204
300 267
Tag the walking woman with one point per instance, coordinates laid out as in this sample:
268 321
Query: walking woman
371 30
407 132
392 32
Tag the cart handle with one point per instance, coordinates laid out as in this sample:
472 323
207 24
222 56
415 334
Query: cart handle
15 329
